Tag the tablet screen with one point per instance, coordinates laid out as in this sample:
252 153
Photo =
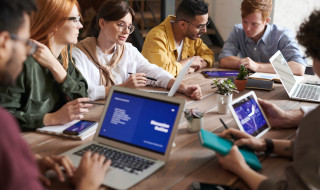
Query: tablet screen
250 115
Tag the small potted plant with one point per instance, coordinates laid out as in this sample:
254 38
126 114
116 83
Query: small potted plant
241 80
195 119
225 88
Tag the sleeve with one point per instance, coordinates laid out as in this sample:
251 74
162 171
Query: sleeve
231 47
86 67
204 52
289 48
14 98
155 50
75 85
143 66
16 161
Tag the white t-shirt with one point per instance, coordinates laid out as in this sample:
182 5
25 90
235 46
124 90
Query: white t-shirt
179 49
132 61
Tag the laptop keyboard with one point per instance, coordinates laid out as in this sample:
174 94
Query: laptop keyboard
308 92
121 160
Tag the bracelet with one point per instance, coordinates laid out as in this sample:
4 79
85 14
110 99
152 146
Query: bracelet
269 147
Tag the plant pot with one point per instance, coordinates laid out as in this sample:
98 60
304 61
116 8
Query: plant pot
195 125
223 101
240 84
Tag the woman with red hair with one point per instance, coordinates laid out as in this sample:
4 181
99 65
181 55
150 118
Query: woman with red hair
50 90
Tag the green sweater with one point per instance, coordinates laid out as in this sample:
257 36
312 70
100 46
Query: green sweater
36 93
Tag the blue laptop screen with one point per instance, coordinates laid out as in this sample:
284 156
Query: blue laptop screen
250 116
139 121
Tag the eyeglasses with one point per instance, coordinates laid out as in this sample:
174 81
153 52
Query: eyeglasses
122 26
200 27
30 46
75 19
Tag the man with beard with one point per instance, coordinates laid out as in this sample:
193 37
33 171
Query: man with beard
176 40
19 169
255 41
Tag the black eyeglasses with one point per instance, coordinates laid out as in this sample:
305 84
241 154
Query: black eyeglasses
30 46
122 26
200 27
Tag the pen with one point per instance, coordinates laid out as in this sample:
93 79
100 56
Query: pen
95 103
150 78
226 127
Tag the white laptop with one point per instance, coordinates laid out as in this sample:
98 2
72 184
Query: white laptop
176 83
136 132
249 115
295 89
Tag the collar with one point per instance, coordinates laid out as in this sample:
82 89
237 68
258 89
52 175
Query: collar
168 28
264 37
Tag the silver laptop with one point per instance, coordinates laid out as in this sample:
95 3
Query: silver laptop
176 83
295 89
136 132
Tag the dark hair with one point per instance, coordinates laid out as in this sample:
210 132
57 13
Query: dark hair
189 9
253 6
110 10
309 35
12 11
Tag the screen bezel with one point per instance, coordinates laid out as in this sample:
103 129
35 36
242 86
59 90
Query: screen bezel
258 133
135 149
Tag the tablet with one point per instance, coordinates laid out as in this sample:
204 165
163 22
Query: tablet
249 115
217 74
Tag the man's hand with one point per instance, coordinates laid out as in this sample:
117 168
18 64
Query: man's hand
54 163
193 91
249 64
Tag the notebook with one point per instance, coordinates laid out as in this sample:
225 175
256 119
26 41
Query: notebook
137 127
249 115
258 84
58 131
295 89
176 83
223 147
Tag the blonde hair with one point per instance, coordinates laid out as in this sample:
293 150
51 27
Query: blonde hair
52 14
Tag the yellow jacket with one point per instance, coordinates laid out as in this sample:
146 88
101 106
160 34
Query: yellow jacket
160 49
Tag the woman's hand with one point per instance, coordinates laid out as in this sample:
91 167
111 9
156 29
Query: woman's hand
91 171
54 163
194 91
244 139
234 161
44 56
135 80
72 110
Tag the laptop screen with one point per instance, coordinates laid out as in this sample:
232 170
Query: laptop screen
250 116
139 121
283 70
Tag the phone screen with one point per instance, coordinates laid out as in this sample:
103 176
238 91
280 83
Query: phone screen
208 186
78 127
209 74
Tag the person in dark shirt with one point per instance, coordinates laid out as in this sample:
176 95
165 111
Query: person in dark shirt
18 168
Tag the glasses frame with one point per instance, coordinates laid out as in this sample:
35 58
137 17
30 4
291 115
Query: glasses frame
30 46
121 28
200 27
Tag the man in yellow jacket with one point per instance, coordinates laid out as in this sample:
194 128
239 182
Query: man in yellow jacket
176 40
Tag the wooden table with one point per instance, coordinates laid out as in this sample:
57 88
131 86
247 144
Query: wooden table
189 162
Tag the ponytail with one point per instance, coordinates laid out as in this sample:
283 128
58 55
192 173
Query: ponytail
94 28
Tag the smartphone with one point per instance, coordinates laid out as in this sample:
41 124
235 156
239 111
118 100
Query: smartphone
79 127
211 74
208 186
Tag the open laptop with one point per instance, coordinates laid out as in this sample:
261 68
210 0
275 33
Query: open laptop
295 89
176 83
136 132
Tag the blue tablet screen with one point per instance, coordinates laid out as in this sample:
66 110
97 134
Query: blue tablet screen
250 116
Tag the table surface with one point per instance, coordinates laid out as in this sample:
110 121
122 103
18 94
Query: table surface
189 161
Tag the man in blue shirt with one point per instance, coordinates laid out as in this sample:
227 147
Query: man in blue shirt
256 41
